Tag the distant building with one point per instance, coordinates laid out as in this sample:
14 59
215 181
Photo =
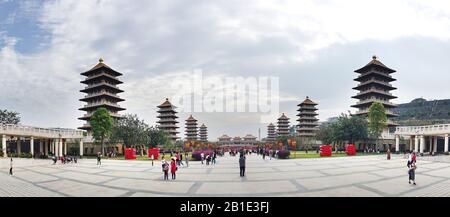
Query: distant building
168 119
307 121
374 86
246 140
101 91
191 129
283 126
271 133
204 133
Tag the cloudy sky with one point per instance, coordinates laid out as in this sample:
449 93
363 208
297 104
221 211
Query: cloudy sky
311 46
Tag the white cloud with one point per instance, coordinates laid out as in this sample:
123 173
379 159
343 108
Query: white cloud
153 41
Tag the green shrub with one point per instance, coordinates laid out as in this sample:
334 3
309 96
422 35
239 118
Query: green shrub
25 155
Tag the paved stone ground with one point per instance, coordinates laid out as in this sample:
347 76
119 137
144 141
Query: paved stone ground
342 177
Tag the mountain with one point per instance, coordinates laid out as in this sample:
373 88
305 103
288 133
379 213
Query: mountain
423 112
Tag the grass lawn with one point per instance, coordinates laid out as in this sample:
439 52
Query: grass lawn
313 154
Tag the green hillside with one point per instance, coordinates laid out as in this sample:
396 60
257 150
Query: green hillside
421 112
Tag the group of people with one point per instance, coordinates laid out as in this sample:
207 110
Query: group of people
173 168
208 158
65 159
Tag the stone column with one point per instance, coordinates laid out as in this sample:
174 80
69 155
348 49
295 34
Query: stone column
46 147
65 147
60 145
435 144
416 143
81 147
32 146
19 144
431 144
446 143
4 146
56 146
397 143
52 146
422 144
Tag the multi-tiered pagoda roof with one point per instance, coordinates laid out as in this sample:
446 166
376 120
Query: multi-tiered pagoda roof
374 86
101 91
307 121
283 126
271 133
191 128
203 133
168 119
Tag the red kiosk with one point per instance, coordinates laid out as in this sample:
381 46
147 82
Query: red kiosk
130 154
154 152
350 149
325 150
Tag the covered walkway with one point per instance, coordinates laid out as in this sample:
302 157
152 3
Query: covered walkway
37 141
431 138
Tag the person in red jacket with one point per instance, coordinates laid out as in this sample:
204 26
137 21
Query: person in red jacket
173 168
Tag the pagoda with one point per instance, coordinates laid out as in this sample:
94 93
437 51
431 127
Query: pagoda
283 126
374 86
191 128
203 133
101 91
271 133
168 119
308 122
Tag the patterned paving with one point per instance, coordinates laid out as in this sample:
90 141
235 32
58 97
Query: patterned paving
372 176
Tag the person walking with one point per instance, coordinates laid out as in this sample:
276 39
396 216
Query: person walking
165 169
214 158
152 159
412 172
173 168
181 159
242 165
186 155
177 158
11 167
99 158
202 156
389 154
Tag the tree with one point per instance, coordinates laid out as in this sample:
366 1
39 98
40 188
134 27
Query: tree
326 133
377 120
345 129
157 137
9 117
131 131
102 125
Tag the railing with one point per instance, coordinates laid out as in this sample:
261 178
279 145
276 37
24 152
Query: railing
370 100
102 103
374 80
371 90
420 130
20 130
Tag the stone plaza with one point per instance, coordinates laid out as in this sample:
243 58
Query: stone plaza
371 176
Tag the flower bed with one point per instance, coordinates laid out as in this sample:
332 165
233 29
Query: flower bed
196 155
284 154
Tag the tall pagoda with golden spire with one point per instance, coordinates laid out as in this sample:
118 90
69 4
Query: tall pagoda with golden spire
101 91
374 86
307 121
283 126
191 129
168 119
203 133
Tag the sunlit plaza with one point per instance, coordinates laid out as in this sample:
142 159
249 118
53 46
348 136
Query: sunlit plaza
355 176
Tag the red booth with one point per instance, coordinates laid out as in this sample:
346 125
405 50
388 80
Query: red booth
154 152
130 154
350 149
325 150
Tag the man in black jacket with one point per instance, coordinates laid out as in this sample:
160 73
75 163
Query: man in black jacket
242 165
